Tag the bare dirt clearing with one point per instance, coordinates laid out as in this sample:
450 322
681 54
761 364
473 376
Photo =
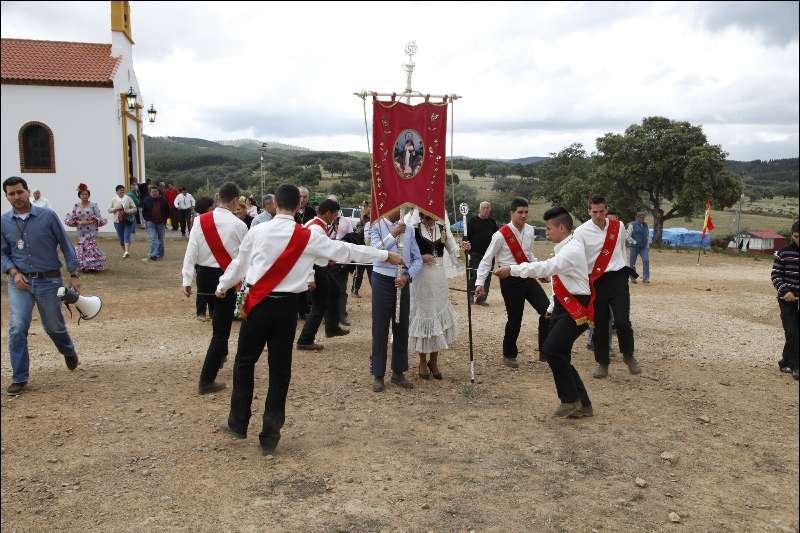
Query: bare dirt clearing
124 443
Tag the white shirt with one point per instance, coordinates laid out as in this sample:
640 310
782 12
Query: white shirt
343 227
263 244
592 239
184 201
41 202
231 231
498 250
569 264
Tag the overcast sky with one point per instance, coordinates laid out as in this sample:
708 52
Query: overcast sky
534 78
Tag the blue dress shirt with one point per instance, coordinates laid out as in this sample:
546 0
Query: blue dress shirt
382 239
43 232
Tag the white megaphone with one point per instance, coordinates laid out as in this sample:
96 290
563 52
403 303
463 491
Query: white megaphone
88 306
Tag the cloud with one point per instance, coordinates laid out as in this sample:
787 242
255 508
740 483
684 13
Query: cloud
535 77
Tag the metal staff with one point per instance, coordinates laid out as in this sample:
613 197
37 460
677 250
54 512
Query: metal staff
464 209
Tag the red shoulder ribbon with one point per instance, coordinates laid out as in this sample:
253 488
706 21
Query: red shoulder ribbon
319 222
279 269
213 239
579 312
513 244
602 261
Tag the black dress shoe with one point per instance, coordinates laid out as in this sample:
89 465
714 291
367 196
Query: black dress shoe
269 443
225 428
337 333
72 361
345 322
16 388
313 347
401 381
208 388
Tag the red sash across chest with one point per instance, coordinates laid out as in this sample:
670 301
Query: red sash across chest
579 312
513 244
213 240
279 269
602 261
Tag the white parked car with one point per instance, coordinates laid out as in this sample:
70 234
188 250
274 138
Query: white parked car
353 213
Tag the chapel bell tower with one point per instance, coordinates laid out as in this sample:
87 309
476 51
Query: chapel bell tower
121 19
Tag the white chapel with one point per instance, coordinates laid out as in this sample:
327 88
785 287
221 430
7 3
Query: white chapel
69 116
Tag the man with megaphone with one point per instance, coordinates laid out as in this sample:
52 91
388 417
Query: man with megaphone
30 238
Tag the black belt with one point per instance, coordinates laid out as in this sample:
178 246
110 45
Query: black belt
281 294
48 274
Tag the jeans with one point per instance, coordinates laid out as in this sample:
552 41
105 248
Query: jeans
124 232
42 292
156 233
384 299
645 253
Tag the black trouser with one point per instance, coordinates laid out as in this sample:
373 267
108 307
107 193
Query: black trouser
183 219
384 298
303 304
272 322
173 218
321 298
790 330
474 261
339 280
358 277
558 350
612 293
222 317
205 302
516 291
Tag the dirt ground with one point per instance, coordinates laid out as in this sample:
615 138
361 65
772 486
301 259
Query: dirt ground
124 443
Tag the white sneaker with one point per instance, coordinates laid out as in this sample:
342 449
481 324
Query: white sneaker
126 254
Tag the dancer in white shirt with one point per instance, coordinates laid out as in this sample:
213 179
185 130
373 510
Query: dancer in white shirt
275 261
570 315
184 203
519 236
603 240
213 243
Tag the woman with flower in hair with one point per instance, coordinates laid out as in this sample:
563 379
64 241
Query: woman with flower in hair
87 218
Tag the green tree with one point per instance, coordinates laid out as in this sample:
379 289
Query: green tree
566 180
667 167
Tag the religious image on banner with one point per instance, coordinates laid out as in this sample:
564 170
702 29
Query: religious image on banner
409 167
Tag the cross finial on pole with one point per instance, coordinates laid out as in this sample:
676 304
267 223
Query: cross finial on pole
411 49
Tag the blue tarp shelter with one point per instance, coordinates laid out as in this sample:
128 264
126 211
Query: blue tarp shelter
684 238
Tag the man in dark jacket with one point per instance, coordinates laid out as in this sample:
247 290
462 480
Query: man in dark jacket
786 280
155 210
479 234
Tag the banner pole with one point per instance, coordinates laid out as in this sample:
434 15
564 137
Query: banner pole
464 208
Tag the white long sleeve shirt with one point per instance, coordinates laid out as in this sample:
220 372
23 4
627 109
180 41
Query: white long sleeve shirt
314 226
184 201
499 251
569 264
266 242
231 231
593 238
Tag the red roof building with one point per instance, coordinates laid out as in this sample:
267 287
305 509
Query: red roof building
29 62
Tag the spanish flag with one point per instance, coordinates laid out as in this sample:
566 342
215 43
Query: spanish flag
708 225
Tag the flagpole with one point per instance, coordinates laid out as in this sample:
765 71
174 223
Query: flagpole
464 209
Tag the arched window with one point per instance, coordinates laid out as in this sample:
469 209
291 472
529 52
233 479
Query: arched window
36 152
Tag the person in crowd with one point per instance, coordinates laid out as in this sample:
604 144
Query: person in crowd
786 280
432 319
324 297
204 303
639 238
612 214
569 316
124 212
31 237
184 202
39 200
144 192
155 210
213 243
133 194
513 244
304 214
268 211
87 218
170 193
252 207
603 240
340 227
480 229
274 261
388 284
358 276
241 211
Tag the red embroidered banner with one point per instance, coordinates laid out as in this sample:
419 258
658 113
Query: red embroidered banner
408 154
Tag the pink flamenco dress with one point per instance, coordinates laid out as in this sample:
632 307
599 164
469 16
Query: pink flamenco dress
90 257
